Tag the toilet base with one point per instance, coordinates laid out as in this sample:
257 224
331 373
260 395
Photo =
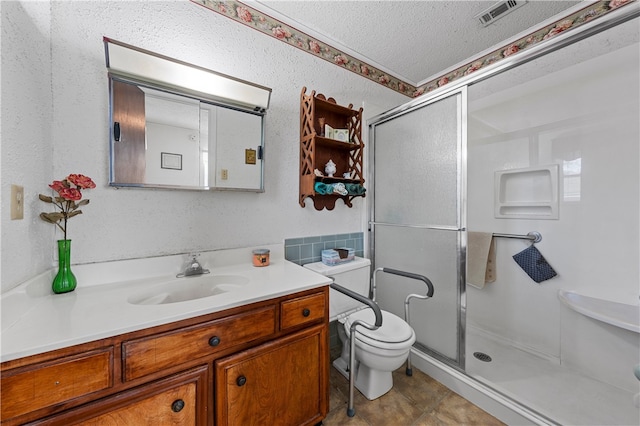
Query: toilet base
371 383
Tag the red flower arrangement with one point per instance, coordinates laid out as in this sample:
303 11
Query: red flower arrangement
69 191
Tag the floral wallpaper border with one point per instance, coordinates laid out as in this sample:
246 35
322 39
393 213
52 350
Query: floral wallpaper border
253 18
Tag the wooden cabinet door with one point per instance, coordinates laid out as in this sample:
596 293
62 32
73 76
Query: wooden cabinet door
178 400
284 382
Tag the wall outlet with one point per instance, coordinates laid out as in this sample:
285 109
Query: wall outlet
17 202
224 174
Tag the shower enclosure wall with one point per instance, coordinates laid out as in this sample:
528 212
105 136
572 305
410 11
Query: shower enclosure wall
550 145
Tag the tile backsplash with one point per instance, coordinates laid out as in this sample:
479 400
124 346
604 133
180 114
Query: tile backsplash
309 249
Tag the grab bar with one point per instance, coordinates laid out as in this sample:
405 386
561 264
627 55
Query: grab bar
427 281
411 275
534 236
352 337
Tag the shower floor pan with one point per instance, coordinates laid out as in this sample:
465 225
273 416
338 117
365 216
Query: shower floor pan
556 392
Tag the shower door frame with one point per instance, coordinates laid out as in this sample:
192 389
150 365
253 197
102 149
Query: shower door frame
461 213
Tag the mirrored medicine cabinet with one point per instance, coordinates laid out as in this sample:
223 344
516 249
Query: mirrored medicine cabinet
176 125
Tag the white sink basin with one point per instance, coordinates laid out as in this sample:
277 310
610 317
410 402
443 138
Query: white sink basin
188 288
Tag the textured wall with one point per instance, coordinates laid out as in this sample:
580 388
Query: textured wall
26 136
131 223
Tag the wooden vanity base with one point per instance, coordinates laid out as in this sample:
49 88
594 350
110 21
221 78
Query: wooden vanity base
263 363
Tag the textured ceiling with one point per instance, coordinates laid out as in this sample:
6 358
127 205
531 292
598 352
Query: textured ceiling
412 40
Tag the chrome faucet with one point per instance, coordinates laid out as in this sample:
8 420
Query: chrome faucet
193 268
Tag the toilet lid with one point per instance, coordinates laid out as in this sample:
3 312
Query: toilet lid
393 329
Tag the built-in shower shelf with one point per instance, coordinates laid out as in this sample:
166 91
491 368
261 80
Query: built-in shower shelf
530 193
618 314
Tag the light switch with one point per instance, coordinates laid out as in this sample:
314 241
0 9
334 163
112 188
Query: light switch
17 202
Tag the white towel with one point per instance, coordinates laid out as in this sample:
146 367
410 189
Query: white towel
481 259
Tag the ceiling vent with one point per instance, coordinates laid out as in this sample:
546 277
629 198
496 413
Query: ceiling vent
498 11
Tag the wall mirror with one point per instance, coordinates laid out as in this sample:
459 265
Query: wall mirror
176 125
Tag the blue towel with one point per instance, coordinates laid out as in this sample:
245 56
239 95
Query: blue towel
323 188
534 264
355 188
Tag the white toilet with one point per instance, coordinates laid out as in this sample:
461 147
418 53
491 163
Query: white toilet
378 352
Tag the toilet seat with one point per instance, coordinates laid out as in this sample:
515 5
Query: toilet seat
391 335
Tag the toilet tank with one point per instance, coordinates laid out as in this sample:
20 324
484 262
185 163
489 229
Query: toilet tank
353 275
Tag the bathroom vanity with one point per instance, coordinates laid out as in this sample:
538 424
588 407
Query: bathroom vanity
261 362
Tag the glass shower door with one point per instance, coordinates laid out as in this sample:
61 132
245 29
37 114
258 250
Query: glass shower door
417 218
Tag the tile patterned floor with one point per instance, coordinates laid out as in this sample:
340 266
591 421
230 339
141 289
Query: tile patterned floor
418 400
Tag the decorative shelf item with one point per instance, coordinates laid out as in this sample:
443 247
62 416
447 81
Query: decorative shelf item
330 168
330 133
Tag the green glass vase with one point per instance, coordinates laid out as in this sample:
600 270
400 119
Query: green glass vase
64 281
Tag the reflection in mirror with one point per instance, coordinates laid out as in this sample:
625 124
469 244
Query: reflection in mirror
238 164
164 137
174 154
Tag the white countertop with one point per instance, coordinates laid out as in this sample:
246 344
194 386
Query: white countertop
34 320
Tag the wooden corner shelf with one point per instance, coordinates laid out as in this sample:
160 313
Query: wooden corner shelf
317 150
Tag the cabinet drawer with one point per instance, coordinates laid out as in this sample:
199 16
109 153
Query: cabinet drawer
178 400
155 410
302 310
151 354
47 384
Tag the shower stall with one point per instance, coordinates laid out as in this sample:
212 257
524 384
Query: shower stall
545 143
